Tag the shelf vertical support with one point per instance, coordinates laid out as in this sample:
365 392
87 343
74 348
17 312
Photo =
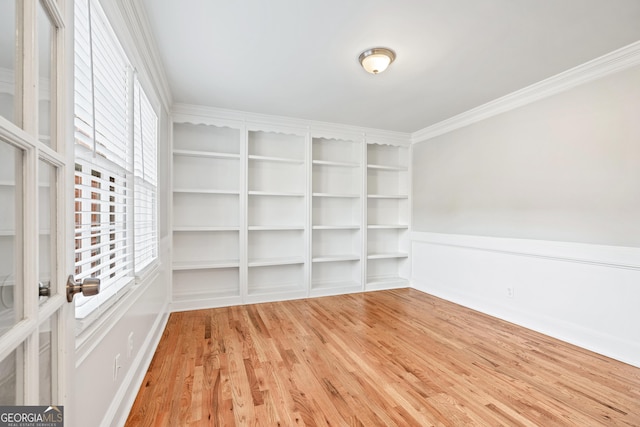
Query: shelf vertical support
364 207
244 214
308 233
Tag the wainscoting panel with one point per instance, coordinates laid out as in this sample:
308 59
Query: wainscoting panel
587 295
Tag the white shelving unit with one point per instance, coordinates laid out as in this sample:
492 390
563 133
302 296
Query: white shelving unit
387 216
206 212
266 211
336 216
276 215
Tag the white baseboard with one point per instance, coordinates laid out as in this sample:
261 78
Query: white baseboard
582 294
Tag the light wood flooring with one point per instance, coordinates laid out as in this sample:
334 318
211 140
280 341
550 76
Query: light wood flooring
387 358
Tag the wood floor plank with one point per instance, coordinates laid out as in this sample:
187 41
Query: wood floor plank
387 358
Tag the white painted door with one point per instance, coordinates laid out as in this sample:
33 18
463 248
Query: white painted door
36 219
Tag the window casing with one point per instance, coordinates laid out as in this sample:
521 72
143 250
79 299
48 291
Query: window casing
116 162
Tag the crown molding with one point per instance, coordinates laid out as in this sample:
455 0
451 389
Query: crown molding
199 114
610 63
146 51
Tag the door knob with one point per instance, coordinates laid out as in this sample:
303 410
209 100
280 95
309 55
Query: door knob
89 286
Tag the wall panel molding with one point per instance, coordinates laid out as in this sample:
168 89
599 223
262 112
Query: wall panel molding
579 293
603 255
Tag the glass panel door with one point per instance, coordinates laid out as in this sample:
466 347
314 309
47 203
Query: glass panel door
11 375
47 184
47 362
46 35
7 60
10 236
11 301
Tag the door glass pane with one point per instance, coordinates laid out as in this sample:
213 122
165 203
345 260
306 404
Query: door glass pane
47 361
10 236
11 378
7 59
46 226
46 84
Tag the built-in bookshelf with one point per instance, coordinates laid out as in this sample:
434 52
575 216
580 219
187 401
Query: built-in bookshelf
276 215
206 212
262 212
336 216
387 216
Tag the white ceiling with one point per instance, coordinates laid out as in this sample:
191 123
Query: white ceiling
298 58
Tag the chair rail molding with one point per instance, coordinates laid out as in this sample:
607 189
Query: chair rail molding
585 253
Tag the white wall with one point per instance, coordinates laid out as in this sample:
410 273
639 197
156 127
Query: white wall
102 400
543 199
564 168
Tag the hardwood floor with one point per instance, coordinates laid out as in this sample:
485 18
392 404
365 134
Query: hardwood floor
392 358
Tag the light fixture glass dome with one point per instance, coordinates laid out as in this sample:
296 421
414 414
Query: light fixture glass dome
376 60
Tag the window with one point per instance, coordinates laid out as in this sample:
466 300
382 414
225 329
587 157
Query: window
116 158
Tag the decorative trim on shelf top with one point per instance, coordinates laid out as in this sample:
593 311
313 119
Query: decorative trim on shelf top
198 114
618 60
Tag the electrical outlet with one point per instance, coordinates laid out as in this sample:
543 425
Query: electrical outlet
116 366
130 345
510 292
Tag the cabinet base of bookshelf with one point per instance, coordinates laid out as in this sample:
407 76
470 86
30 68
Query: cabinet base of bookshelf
334 288
203 300
274 295
382 283
199 301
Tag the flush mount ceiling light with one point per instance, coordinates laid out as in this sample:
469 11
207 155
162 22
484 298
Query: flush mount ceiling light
377 59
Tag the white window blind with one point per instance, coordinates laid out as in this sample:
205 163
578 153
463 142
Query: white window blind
115 182
146 179
83 90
